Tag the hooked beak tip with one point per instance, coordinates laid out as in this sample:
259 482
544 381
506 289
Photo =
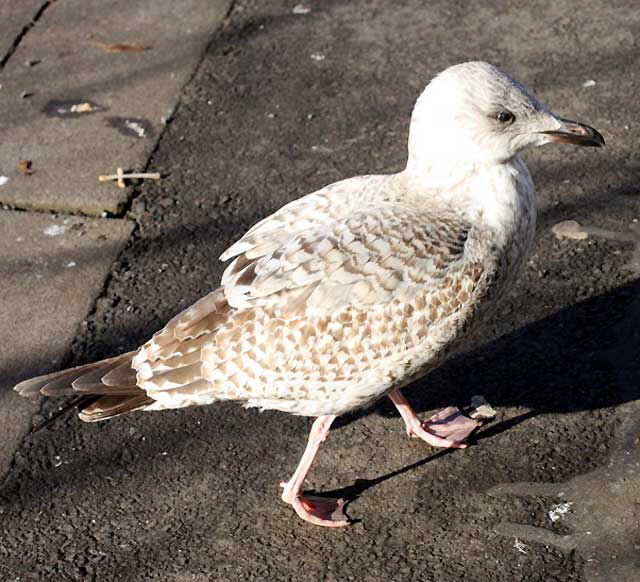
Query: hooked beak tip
575 133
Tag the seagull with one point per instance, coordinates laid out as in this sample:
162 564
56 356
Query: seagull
352 292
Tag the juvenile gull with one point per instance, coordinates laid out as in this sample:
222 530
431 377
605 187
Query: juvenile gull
353 291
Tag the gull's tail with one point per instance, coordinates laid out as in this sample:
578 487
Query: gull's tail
104 389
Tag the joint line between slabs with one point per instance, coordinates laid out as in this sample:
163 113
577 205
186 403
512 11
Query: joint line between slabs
106 215
25 29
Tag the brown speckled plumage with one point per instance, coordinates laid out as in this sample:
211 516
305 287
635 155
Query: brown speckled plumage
351 292
333 320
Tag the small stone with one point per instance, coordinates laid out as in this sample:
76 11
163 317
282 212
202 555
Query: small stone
569 229
482 410
55 230
300 9
557 512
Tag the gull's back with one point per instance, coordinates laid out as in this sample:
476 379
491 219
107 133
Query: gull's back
332 301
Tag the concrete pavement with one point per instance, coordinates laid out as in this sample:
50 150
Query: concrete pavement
85 107
52 270
53 267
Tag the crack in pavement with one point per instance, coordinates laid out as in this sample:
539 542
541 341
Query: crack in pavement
23 33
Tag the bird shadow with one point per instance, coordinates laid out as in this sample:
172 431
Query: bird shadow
582 357
351 492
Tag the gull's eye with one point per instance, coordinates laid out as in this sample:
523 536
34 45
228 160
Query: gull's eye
506 117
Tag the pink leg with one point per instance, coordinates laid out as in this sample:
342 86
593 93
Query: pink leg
449 428
317 510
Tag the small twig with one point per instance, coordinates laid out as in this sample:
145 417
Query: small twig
120 176
120 48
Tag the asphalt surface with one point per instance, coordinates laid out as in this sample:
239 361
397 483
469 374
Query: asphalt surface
282 104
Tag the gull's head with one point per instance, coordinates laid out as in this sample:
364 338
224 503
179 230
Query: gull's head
474 113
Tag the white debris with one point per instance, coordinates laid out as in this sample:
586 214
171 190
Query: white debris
81 108
57 461
589 83
518 545
55 230
317 56
559 511
300 9
135 127
482 410
70 264
3 180
569 229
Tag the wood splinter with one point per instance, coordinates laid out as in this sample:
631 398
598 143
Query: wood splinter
120 176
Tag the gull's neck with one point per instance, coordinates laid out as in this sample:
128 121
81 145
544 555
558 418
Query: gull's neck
492 194
445 174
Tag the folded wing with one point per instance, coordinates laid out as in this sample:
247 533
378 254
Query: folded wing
382 252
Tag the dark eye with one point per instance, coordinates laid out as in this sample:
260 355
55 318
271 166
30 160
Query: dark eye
506 117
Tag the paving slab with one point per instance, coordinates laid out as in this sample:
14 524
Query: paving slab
15 17
121 97
51 269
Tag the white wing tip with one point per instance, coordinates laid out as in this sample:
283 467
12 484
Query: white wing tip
235 250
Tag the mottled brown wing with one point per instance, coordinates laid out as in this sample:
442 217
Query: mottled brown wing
373 256
375 278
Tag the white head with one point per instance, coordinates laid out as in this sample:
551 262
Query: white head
473 114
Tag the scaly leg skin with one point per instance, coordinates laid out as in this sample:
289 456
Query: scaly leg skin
323 511
448 428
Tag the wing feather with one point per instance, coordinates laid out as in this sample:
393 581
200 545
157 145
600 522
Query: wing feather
306 263
374 255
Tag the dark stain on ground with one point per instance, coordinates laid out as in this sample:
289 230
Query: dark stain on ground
67 108
136 127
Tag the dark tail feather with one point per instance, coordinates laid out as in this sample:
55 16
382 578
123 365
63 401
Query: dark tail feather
75 402
105 389
109 406
61 383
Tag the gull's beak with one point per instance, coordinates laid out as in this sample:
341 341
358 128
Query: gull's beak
575 133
